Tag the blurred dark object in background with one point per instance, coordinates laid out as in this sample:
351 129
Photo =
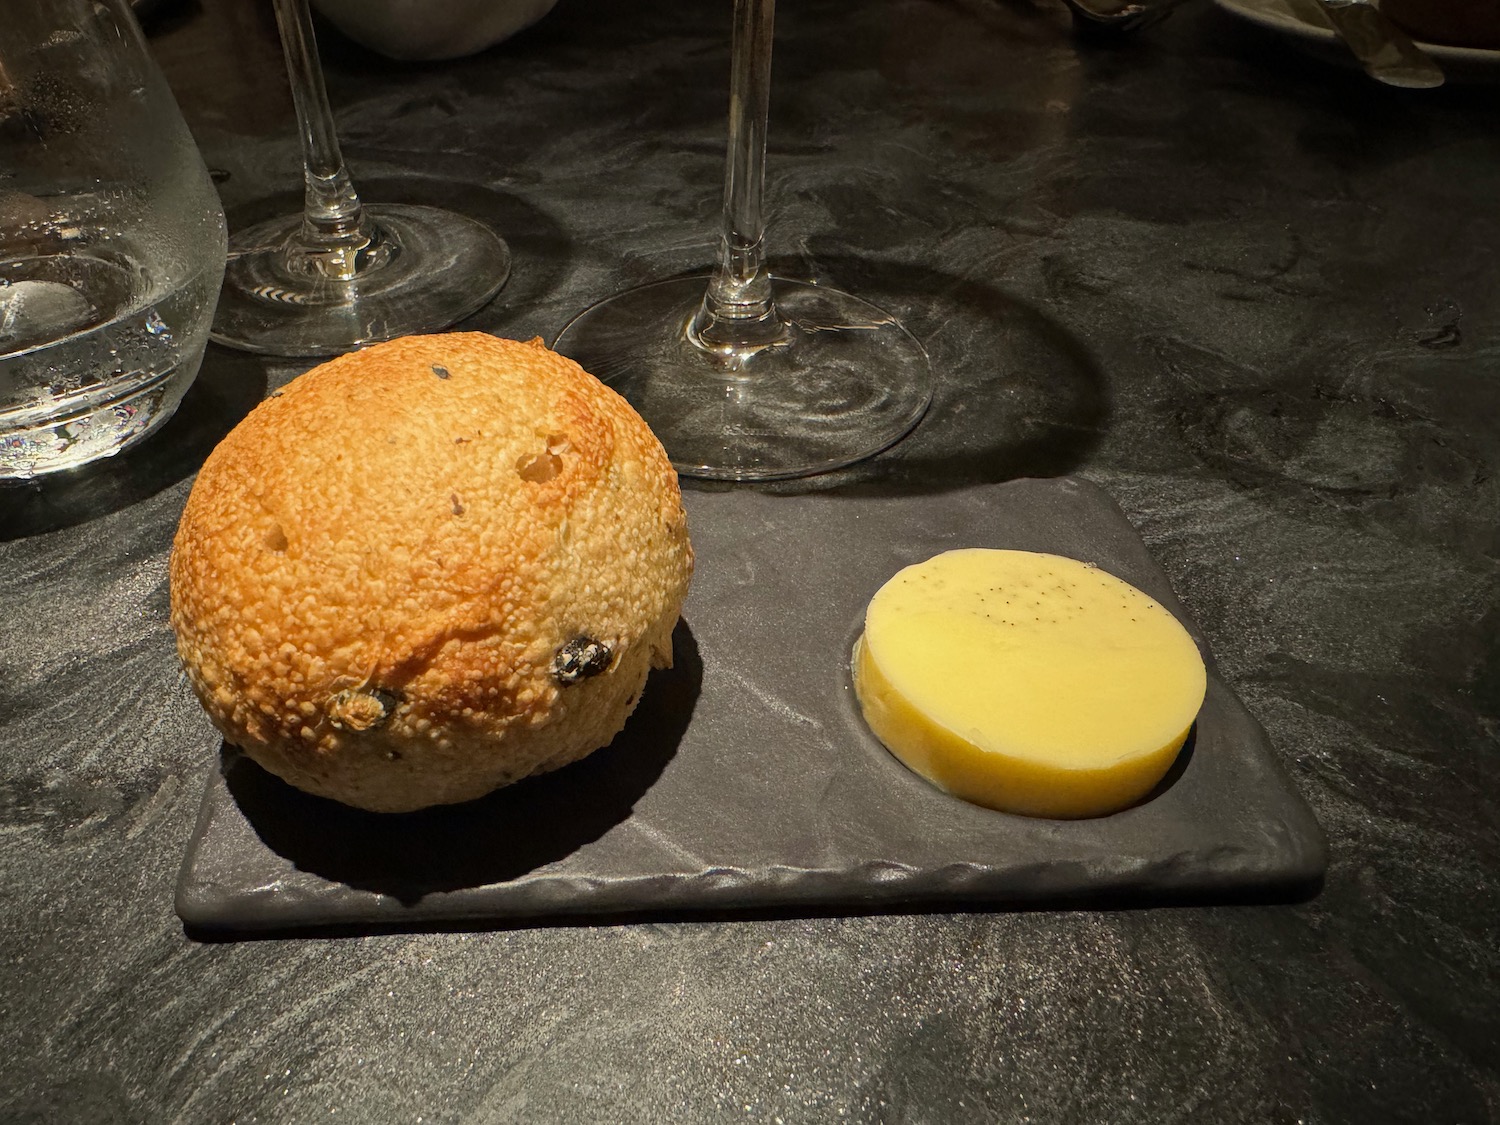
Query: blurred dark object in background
1457 23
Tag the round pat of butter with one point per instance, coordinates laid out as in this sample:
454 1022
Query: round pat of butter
1028 683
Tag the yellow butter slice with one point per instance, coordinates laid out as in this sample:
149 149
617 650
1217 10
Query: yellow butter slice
1026 682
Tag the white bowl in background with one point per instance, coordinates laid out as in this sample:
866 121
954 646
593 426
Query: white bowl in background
431 29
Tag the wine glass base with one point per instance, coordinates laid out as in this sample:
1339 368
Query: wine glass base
848 382
438 267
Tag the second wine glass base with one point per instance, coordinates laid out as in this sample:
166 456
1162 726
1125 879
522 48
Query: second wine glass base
848 382
441 267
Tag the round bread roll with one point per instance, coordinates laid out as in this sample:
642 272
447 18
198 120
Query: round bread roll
428 569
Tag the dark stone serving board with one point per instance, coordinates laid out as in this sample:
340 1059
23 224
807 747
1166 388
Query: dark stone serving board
747 781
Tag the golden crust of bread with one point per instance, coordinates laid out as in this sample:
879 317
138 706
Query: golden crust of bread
427 569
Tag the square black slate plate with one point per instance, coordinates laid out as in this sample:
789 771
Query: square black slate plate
747 780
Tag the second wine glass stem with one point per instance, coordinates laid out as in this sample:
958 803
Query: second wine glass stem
738 313
336 236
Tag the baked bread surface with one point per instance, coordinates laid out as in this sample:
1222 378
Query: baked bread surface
428 569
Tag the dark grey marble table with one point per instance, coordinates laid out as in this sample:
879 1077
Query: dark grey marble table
1251 294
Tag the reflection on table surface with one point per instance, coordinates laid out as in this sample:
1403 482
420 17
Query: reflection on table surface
1243 288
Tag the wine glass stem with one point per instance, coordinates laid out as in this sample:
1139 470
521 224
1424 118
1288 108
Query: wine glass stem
334 228
738 313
